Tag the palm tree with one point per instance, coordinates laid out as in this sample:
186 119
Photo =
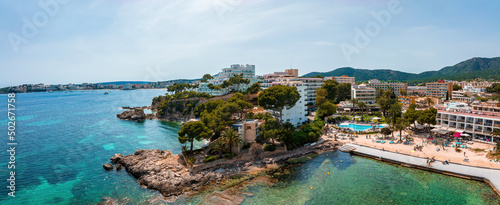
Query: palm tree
353 101
401 124
231 138
362 106
218 146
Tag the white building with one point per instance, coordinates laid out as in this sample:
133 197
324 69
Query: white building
364 94
297 114
311 85
396 87
248 72
479 125
473 90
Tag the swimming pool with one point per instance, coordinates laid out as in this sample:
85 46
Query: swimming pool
356 127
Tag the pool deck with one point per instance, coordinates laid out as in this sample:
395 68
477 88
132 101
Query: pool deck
488 175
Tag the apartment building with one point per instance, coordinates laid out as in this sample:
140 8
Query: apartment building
290 75
440 89
342 79
479 125
363 93
311 85
488 106
396 87
463 96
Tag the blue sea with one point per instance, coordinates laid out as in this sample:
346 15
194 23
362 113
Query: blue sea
65 137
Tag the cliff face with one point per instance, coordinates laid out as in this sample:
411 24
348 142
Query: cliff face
176 110
179 109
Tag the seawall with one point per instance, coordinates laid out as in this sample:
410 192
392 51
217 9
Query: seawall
488 175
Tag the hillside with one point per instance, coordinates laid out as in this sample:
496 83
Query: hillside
485 68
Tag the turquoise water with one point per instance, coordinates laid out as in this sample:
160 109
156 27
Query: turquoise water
356 127
64 138
359 180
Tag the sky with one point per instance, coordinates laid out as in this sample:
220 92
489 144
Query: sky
70 41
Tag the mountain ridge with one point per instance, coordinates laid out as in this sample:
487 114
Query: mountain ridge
477 67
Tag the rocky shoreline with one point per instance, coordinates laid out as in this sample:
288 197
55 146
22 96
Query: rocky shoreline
167 173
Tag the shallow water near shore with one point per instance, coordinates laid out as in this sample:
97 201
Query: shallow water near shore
64 138
359 180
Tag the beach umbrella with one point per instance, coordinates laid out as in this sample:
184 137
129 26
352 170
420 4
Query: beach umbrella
465 135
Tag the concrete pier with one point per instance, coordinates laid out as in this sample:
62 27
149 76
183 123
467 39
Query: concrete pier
488 175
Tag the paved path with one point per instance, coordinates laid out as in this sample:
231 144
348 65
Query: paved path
489 174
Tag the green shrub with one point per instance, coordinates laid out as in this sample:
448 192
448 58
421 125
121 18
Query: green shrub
269 147
210 159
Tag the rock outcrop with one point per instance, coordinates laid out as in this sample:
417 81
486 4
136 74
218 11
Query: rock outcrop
133 115
108 167
163 171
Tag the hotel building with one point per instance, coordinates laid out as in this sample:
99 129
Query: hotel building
364 94
291 75
479 125
311 85
297 115
248 72
342 79
439 89
396 87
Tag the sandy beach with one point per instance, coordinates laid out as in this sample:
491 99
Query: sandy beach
428 150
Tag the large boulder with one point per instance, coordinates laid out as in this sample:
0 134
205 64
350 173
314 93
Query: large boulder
108 167
133 115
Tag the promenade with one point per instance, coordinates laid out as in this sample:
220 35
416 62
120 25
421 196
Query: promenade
489 175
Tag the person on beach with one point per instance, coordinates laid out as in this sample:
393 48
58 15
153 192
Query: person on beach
464 154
